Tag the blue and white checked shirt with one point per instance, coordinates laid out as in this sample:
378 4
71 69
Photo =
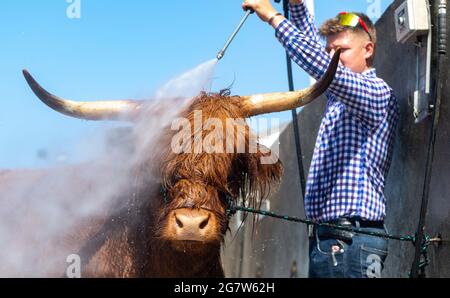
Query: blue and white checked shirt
354 145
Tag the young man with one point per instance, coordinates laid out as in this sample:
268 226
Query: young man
354 144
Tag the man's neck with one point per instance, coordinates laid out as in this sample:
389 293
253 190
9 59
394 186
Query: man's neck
367 69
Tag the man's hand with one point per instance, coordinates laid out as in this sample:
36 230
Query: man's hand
263 8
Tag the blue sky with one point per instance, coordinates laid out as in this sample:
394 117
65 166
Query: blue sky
126 49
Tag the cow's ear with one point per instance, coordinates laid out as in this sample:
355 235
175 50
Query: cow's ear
256 174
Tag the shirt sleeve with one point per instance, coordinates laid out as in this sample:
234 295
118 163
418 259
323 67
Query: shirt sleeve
365 96
303 20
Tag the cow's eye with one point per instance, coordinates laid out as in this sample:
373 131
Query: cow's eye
222 196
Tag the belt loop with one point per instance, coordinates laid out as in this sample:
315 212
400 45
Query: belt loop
311 230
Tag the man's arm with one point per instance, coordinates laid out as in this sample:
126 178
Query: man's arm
300 15
302 19
366 97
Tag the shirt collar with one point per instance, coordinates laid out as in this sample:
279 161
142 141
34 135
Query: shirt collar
370 72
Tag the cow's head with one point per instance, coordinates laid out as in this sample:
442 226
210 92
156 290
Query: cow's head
198 184
206 168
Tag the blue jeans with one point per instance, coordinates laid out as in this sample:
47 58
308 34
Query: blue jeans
364 257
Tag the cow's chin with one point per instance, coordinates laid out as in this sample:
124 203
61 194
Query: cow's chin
194 247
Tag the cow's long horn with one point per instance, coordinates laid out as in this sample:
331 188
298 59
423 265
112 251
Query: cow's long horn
282 101
98 110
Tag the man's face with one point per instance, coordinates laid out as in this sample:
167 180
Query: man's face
356 49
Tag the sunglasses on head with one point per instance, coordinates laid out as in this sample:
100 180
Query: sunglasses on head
352 20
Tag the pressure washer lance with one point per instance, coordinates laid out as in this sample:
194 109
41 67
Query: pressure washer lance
222 52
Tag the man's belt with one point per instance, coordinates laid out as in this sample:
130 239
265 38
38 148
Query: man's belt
332 233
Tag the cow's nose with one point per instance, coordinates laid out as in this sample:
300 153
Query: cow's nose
191 224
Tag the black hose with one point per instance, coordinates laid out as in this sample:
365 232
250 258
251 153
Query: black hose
442 27
298 145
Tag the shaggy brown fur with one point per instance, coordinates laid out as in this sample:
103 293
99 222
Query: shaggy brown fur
208 174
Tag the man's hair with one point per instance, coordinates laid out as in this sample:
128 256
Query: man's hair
332 26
